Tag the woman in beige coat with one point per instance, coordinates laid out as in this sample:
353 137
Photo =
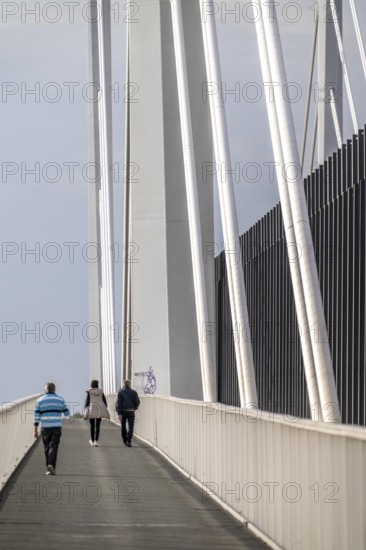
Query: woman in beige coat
95 410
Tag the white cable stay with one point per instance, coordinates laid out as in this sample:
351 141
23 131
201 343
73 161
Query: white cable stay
126 275
106 209
358 35
311 73
199 279
225 230
304 240
235 274
335 119
344 65
313 142
302 317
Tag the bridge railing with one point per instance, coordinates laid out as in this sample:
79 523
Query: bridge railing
16 434
297 483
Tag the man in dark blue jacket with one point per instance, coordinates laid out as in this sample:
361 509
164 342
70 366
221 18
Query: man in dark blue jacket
128 403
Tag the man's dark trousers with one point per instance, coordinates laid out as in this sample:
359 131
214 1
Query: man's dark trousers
127 416
51 440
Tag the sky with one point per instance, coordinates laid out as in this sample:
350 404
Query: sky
44 156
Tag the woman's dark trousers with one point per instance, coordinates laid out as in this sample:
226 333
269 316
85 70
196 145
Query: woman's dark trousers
94 428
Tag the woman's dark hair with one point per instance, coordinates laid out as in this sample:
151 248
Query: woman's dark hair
94 384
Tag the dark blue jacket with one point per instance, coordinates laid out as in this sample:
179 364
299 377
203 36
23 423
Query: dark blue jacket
128 400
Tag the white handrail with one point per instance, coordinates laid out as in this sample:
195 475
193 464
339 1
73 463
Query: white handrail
16 434
295 482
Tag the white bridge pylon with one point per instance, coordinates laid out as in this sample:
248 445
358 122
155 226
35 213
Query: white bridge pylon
101 280
169 292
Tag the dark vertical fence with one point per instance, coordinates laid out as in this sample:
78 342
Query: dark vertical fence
335 195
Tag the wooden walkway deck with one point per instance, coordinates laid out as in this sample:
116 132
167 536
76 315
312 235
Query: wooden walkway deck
111 497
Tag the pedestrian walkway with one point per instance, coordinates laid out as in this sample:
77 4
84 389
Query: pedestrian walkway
111 497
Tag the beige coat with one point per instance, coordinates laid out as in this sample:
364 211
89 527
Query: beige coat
97 408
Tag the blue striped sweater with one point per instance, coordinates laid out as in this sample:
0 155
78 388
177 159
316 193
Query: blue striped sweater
49 409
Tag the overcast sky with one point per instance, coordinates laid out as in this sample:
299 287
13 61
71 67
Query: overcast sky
48 291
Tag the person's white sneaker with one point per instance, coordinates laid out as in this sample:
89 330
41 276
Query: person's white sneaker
51 470
91 443
95 443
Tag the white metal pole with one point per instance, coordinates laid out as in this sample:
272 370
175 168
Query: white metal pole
103 300
309 275
103 303
313 142
126 221
95 347
206 348
223 221
238 301
344 65
335 119
358 35
106 184
309 89
330 73
309 367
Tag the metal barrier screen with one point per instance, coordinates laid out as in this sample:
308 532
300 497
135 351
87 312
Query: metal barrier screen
335 194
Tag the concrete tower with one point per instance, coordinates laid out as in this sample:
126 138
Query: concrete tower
163 331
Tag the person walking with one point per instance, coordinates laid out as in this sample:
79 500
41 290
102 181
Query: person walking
48 412
128 403
95 409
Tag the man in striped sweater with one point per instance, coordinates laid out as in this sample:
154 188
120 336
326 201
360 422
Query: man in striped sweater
48 411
